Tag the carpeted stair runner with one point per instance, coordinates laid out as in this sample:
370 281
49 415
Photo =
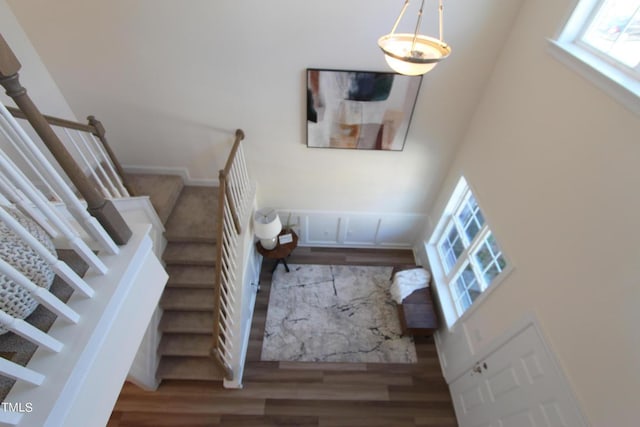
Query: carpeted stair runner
187 323
163 190
190 254
187 302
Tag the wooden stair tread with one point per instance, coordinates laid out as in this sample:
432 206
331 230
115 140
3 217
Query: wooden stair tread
193 218
189 368
187 299
163 190
191 276
190 254
198 322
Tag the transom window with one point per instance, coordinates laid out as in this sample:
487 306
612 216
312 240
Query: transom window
467 251
614 30
601 41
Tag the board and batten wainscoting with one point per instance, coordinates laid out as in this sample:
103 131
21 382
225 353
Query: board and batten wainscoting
354 229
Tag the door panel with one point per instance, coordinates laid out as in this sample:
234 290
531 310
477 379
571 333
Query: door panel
502 382
516 385
521 419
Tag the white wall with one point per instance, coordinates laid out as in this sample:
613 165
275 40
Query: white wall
41 87
171 81
33 75
554 164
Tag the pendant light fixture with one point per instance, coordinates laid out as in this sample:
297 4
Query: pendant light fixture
414 54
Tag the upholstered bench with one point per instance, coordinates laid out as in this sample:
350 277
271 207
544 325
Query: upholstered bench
417 312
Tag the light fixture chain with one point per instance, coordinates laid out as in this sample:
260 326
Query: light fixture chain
404 8
415 34
440 12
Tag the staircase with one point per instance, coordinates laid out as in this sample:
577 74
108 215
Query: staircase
188 214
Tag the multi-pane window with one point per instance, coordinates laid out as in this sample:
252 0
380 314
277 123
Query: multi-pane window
614 30
601 40
469 254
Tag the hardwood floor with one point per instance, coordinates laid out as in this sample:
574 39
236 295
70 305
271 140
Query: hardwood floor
299 393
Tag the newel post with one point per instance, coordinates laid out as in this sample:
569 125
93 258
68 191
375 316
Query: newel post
103 210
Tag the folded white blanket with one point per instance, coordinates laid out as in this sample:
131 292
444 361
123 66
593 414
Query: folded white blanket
407 281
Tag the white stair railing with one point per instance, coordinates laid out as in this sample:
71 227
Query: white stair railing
63 358
59 267
95 161
19 182
23 142
71 377
88 146
13 195
16 188
234 206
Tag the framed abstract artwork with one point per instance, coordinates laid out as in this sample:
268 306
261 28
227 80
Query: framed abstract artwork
364 110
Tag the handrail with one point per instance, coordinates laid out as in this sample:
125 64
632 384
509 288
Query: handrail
217 305
232 153
99 207
55 121
232 206
94 127
225 173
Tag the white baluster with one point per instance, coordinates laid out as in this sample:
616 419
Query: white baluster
17 372
58 266
107 160
89 223
10 418
81 248
112 188
27 159
42 295
87 164
16 197
107 180
30 332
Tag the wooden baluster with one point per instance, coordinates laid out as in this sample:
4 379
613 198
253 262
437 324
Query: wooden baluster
103 210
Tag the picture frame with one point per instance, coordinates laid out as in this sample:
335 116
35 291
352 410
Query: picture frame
363 110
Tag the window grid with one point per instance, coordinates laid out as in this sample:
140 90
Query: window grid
489 259
479 262
468 289
613 30
451 247
469 219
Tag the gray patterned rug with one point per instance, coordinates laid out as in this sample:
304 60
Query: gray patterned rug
330 313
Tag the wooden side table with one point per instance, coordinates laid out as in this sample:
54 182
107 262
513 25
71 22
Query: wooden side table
280 252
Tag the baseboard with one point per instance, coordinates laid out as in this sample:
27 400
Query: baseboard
170 170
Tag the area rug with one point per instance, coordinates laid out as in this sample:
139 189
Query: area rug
331 313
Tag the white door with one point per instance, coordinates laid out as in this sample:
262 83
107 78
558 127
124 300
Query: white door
517 385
